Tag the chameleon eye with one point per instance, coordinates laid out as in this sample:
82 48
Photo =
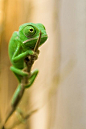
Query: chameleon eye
29 31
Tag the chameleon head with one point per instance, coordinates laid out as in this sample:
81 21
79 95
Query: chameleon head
29 34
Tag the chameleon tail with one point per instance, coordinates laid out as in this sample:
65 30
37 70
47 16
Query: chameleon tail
14 102
17 95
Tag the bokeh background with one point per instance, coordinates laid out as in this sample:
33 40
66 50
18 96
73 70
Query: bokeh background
59 92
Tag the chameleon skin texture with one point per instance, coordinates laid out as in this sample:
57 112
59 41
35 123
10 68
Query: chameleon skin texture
22 44
21 47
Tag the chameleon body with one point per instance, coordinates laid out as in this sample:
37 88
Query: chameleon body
21 46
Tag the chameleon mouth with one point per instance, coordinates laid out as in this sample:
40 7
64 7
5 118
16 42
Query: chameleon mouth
34 39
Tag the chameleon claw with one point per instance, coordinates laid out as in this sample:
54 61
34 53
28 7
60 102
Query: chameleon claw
35 56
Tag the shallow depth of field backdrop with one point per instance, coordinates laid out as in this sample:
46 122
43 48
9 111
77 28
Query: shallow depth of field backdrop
59 92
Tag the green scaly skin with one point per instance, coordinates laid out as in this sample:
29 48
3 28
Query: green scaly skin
22 45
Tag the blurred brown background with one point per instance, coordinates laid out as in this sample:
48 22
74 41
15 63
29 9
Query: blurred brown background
59 90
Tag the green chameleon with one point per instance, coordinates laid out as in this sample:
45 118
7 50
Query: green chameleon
21 46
